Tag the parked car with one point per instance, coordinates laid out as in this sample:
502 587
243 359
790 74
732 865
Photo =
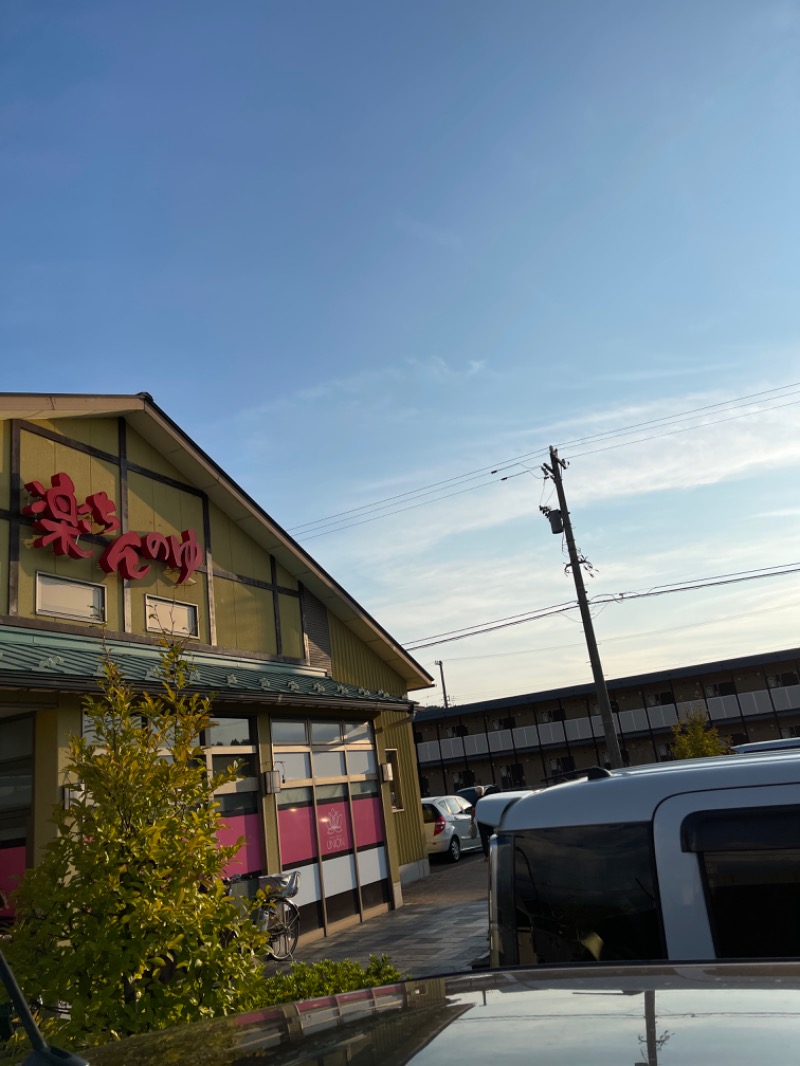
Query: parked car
695 859
737 1014
757 746
450 826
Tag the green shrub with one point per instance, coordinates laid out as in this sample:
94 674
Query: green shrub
327 978
126 919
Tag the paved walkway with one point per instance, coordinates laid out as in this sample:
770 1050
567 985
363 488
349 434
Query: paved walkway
442 927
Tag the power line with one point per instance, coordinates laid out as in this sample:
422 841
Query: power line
622 636
617 597
683 416
433 493
684 429
411 507
427 490
474 697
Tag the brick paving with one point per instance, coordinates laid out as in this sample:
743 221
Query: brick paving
442 927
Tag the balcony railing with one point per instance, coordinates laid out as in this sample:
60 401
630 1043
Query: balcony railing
629 723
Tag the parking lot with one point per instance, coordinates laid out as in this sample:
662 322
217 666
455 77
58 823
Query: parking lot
442 927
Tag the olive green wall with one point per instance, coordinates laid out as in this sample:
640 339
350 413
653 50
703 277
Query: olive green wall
53 726
356 664
256 603
396 732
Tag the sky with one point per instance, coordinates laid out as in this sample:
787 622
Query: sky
366 254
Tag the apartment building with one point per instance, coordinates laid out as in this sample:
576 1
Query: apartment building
524 741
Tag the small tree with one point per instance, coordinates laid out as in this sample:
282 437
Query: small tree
695 738
126 919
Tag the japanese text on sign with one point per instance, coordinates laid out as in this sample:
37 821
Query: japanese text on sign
61 520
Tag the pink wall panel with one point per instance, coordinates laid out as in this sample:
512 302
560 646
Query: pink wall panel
335 832
368 820
250 856
12 867
298 841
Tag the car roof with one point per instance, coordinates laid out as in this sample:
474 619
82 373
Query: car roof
632 794
736 1013
436 799
785 743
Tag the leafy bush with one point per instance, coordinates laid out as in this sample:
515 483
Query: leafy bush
327 978
694 737
126 918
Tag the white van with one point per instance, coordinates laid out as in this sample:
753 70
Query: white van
691 860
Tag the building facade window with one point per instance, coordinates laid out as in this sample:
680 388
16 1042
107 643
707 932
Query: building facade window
395 784
563 765
719 688
457 731
659 699
513 776
555 715
229 741
330 817
784 680
171 617
61 597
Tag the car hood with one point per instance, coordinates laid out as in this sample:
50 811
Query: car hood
730 1012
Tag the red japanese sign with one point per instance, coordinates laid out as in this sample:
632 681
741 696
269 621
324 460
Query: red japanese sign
61 520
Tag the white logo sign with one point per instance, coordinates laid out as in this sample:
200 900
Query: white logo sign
336 836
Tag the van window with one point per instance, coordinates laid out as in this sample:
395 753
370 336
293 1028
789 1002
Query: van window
750 860
754 903
585 893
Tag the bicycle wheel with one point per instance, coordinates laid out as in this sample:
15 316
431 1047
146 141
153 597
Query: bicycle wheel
283 926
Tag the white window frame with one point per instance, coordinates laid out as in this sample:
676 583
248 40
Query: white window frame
395 785
151 627
98 618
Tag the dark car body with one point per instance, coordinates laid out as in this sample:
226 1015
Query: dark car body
728 1013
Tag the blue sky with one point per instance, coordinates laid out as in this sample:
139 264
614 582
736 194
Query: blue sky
357 249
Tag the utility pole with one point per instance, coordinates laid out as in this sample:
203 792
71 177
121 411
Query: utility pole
440 664
651 1042
560 521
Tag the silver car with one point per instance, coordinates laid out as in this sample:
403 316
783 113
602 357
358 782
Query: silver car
449 826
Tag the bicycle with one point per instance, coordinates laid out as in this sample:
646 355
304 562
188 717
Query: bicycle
281 920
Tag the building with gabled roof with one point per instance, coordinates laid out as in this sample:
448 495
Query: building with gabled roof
116 529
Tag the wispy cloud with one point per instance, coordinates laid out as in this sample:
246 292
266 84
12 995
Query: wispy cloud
709 455
785 512
664 372
437 368
381 386
423 231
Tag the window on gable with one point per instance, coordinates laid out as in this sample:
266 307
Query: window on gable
62 597
170 617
